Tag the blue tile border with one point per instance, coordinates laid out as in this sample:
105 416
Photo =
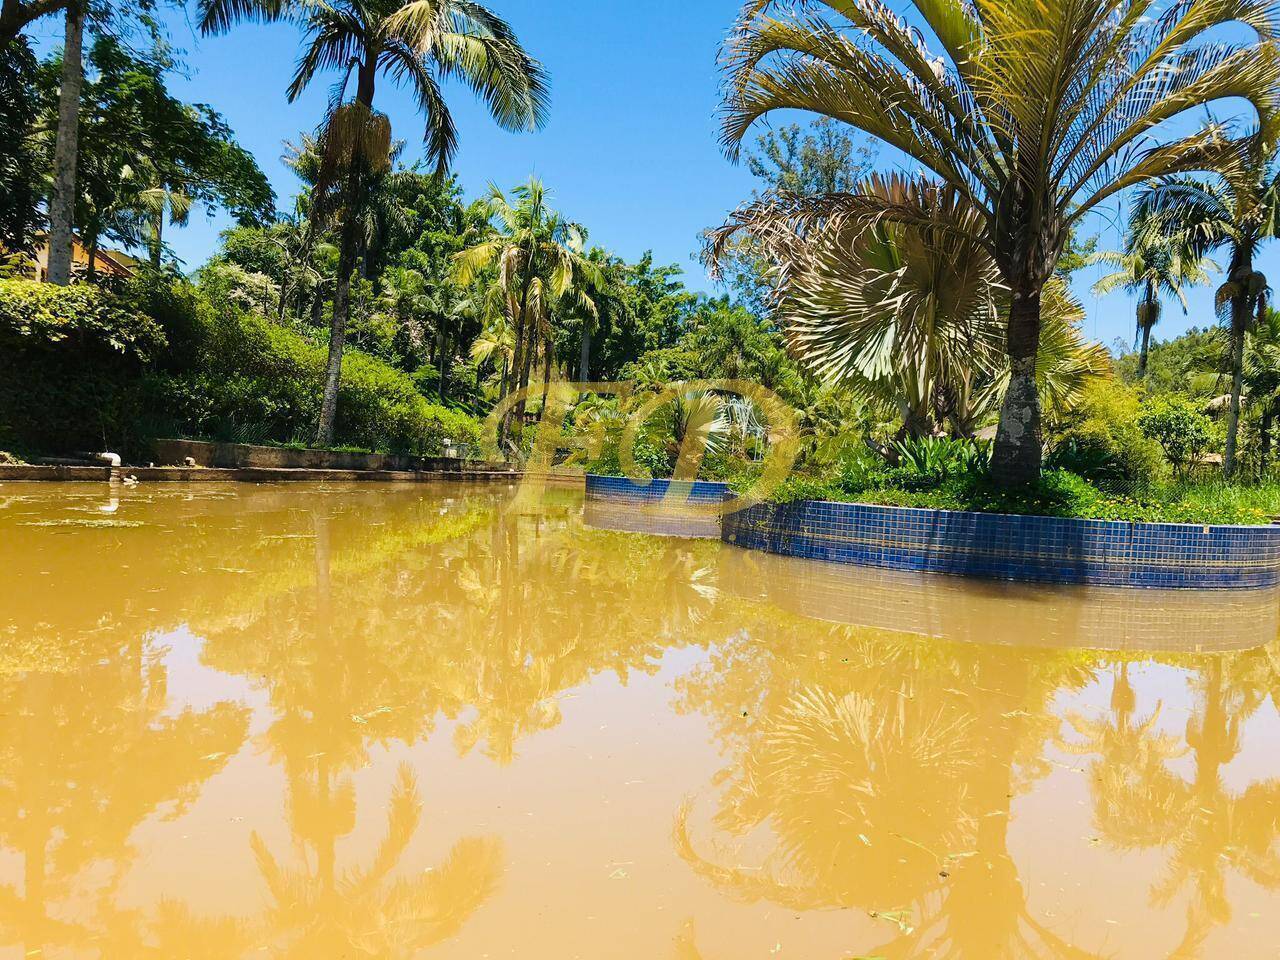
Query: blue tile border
988 545
1001 546
618 503
634 491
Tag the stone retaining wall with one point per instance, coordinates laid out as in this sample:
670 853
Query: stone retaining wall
244 455
249 475
46 472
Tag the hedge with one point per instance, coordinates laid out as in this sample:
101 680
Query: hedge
72 365
85 369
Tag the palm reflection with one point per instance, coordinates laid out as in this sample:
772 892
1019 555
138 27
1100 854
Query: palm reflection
1208 830
89 749
865 769
879 774
316 913
489 629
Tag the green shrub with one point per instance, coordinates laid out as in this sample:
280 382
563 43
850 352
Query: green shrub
1183 432
1060 493
256 381
81 369
927 461
1100 440
71 365
649 456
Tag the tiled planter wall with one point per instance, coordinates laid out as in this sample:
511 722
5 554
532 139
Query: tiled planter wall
628 490
1037 549
617 503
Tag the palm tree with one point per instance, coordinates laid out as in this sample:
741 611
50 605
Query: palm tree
1235 213
540 265
610 306
1153 265
1034 112
155 201
414 42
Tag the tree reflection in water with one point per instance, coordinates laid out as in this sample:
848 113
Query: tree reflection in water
878 773
864 769
1207 830
489 629
89 749
340 680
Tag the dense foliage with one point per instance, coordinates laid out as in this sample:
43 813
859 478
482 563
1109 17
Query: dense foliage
71 366
86 370
877 308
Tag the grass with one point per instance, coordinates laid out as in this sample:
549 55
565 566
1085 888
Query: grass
1058 494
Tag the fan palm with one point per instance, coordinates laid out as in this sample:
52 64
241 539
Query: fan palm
413 42
1235 213
700 419
909 313
1154 264
1034 112
540 264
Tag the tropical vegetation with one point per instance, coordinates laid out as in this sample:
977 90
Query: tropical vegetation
925 327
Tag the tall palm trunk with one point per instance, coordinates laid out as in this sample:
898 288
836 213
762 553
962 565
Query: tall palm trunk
1243 270
546 373
317 306
157 244
1016 459
1264 438
62 201
1145 316
584 366
1237 388
526 370
348 257
338 326
524 349
511 377
444 353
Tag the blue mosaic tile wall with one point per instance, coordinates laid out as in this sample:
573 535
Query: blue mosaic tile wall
1038 549
616 503
628 490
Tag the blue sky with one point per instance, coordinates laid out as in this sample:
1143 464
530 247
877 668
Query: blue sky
630 150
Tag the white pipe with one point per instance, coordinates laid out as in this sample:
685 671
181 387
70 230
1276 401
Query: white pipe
110 459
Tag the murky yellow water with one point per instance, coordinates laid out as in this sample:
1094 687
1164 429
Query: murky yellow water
344 722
